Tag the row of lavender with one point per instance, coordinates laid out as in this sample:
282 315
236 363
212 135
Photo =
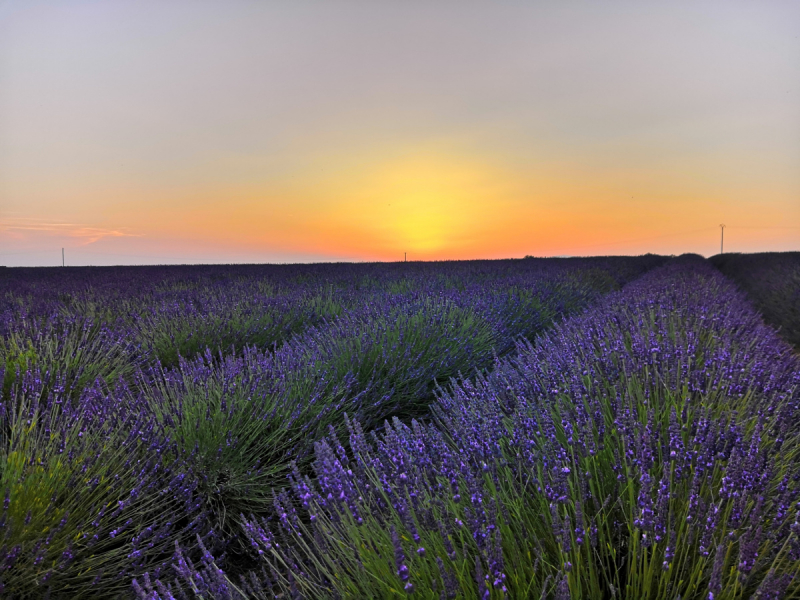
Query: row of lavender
645 449
109 458
167 312
771 281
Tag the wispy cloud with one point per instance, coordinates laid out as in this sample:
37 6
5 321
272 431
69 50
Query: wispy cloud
22 228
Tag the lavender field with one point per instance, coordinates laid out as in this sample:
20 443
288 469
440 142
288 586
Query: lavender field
611 427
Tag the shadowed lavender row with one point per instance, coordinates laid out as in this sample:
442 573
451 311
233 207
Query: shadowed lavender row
772 282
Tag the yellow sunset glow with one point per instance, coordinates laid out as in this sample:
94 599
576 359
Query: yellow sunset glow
422 202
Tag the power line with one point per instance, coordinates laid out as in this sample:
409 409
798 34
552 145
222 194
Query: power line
746 227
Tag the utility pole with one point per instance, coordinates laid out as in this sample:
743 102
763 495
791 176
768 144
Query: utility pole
62 257
721 237
405 256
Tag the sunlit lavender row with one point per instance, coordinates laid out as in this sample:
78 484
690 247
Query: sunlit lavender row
145 407
645 449
582 428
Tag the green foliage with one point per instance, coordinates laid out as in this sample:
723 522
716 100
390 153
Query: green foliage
184 331
79 350
396 357
233 427
79 485
240 422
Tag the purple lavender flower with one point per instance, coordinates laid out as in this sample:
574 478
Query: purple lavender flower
399 557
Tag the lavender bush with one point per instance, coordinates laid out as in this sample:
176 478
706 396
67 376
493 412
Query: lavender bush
78 349
239 422
185 325
87 502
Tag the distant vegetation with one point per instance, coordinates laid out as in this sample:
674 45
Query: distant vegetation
620 427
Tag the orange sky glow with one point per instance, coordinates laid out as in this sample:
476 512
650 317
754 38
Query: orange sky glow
139 133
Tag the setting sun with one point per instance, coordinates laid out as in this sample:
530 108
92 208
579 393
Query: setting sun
422 203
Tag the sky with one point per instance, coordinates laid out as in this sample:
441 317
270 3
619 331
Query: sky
229 132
